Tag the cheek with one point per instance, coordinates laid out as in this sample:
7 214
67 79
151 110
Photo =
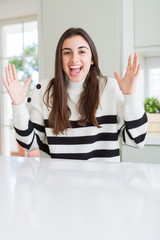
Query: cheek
88 61
64 63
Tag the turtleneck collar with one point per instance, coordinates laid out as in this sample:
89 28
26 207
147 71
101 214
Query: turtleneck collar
75 87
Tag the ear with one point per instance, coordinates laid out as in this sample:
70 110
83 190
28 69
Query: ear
92 62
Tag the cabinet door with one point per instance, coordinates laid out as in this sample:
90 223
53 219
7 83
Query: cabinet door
148 154
147 23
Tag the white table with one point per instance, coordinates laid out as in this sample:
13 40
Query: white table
78 200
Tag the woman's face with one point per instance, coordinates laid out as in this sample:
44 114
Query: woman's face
76 58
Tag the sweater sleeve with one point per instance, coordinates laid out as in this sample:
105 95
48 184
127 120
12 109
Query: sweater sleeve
132 121
28 122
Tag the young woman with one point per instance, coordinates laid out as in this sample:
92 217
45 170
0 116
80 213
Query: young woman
79 114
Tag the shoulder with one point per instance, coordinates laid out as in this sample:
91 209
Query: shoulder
108 84
38 91
112 83
111 92
42 85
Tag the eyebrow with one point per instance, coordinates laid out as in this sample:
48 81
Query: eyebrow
71 49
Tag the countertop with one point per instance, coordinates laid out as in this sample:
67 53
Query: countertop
78 200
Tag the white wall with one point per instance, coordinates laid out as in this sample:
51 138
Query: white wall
101 19
17 8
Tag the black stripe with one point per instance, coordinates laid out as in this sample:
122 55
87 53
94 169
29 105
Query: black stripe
138 139
86 156
24 145
83 139
136 123
122 128
123 135
42 146
38 127
109 119
26 132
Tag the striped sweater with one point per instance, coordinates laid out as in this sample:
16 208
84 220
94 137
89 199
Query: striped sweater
121 117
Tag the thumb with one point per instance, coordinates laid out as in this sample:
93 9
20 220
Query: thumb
27 82
117 77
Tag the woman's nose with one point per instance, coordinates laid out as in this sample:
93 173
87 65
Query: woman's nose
75 57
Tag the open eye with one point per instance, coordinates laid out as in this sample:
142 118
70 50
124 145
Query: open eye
67 53
82 51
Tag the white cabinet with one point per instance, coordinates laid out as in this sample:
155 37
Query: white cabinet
147 23
148 154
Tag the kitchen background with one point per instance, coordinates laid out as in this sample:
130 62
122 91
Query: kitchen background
30 29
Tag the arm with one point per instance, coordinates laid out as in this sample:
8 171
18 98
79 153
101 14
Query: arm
132 118
27 120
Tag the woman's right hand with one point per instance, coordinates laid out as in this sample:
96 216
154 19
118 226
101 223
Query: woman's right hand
16 91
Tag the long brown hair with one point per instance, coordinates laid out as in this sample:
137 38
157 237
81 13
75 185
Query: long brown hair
56 95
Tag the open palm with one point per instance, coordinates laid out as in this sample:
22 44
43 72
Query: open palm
16 91
128 83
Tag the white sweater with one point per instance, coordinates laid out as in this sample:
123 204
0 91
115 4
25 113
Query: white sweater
120 117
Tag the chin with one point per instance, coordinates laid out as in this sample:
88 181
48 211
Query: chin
75 80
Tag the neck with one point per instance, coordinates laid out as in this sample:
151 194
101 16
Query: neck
75 87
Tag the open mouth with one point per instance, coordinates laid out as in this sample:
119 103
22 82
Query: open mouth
75 70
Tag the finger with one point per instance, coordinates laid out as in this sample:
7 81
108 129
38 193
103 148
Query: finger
4 82
117 77
135 62
129 62
138 69
14 72
10 72
7 76
27 82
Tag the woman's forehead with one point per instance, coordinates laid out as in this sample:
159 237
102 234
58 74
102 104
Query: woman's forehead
75 42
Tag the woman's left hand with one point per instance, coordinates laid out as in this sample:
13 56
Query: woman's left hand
128 84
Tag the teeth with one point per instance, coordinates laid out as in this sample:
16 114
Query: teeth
75 66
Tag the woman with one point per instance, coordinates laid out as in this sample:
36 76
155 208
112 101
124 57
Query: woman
80 114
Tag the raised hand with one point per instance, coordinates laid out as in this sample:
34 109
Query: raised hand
128 83
16 91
